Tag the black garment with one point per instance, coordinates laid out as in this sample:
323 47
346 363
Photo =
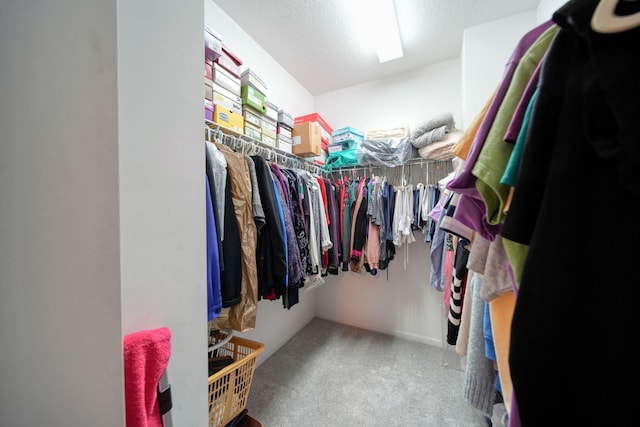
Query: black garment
581 160
388 203
360 228
334 228
306 209
214 202
298 222
231 275
458 289
270 251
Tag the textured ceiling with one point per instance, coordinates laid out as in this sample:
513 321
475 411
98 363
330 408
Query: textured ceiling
316 41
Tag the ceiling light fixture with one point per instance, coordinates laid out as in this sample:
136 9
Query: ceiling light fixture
378 19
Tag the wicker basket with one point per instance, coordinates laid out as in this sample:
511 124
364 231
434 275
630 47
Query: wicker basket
229 387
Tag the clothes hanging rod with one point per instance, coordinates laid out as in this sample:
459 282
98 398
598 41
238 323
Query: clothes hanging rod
431 171
411 162
267 151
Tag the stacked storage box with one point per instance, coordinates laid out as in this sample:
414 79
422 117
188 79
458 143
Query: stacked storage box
307 139
254 114
252 122
342 150
212 51
325 136
284 130
224 83
346 138
272 111
254 105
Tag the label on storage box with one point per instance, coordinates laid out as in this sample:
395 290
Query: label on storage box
296 140
253 98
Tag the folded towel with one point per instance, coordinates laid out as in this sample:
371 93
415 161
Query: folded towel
146 355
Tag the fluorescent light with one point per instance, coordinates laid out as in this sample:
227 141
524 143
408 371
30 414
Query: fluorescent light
378 20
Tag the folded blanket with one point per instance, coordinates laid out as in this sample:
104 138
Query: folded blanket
432 130
437 134
397 132
441 150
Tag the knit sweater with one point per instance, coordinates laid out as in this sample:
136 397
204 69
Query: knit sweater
479 377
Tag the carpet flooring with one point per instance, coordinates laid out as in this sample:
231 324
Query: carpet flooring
330 374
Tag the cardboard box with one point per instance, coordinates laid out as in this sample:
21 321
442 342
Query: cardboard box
347 134
272 111
285 118
229 104
229 61
332 148
251 116
228 119
212 45
208 90
284 143
208 110
268 140
269 127
235 98
284 130
208 104
223 78
306 139
252 131
208 71
320 159
249 77
254 98
317 118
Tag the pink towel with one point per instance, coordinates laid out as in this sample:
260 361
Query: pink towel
146 355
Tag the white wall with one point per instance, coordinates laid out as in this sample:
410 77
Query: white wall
408 98
546 8
282 89
405 304
486 49
102 214
61 357
274 324
162 188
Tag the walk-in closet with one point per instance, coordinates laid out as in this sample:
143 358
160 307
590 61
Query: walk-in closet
376 240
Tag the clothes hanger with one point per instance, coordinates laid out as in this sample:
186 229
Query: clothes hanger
606 21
